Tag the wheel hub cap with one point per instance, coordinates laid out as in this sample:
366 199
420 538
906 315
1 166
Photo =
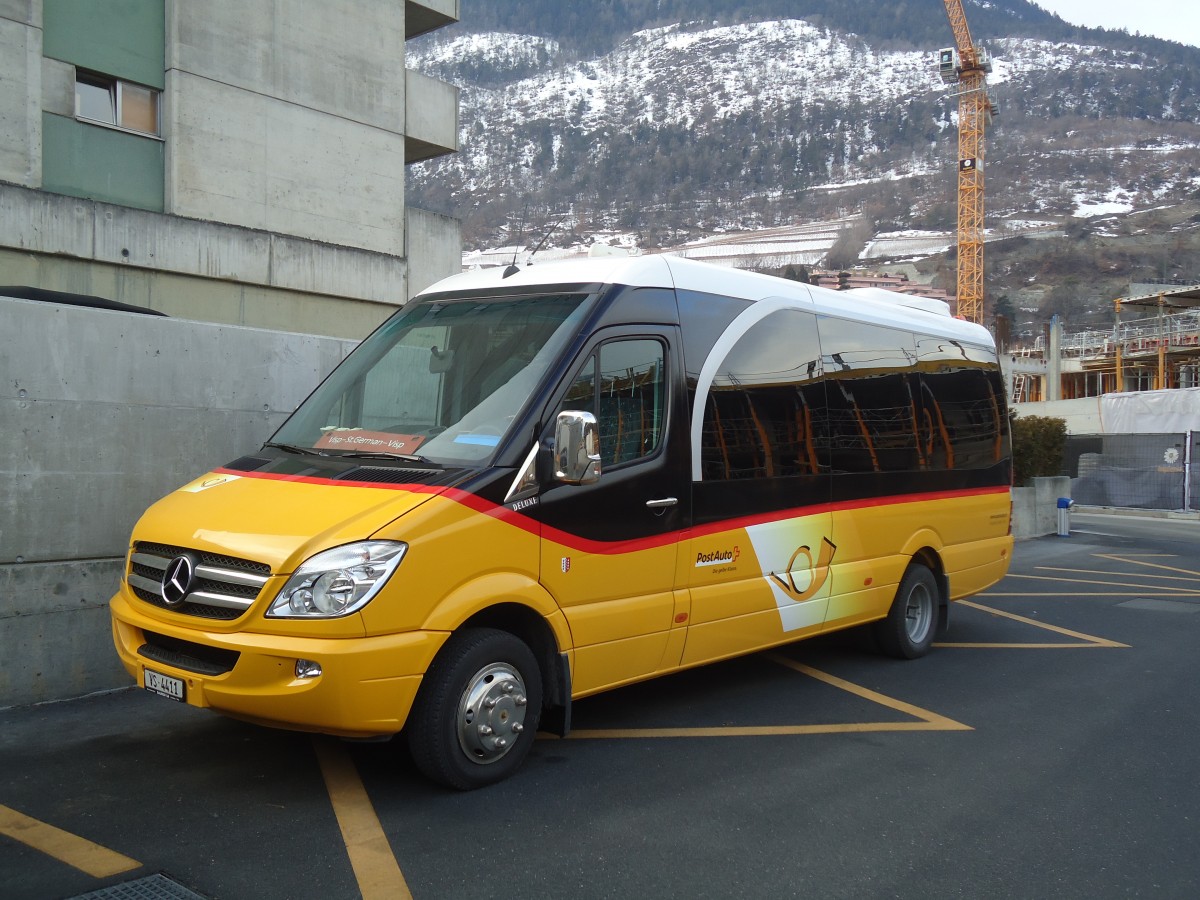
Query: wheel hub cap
491 714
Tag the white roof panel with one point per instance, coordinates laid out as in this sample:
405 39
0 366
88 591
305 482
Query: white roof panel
875 305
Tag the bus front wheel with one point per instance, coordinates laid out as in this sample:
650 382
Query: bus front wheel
911 623
477 712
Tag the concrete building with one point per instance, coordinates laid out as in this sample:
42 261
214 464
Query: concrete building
237 165
231 162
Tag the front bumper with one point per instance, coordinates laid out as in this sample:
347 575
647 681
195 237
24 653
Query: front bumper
366 688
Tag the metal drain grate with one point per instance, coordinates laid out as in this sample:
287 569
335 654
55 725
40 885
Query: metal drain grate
152 887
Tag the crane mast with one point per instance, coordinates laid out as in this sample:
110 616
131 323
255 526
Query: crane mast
967 66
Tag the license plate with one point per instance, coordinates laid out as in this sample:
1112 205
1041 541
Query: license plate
164 685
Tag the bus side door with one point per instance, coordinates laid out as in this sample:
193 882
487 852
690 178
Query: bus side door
609 549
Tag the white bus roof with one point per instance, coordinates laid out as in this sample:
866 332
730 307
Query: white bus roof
870 304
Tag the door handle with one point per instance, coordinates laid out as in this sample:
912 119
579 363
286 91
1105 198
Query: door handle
661 504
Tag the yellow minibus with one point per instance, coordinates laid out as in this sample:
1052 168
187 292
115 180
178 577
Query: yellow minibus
533 485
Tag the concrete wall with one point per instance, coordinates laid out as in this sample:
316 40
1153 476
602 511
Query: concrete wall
1035 507
431 116
229 274
1082 416
289 116
103 413
434 253
21 91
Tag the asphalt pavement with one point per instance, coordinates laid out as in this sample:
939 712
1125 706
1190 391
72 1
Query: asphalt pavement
1047 747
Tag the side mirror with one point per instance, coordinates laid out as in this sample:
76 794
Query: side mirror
576 448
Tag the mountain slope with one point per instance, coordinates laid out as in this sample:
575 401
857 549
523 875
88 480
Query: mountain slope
673 119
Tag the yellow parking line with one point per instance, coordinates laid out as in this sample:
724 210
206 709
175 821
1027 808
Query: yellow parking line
941 722
1171 593
1089 640
375 867
1160 587
927 720
593 734
1138 562
80 853
1188 577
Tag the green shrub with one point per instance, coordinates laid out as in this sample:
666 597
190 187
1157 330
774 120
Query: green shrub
1037 443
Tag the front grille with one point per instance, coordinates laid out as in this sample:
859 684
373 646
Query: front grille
211 559
223 587
186 655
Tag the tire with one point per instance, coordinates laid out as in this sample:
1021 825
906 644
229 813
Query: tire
911 623
477 711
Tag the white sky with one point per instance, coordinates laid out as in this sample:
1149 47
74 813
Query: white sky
1175 20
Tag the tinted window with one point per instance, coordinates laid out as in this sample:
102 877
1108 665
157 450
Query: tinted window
964 417
707 316
873 397
765 412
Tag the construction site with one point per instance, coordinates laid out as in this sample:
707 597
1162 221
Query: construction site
1128 393
1154 344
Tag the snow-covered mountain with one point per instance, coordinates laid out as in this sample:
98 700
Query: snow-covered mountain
677 130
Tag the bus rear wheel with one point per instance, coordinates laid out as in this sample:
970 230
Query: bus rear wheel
911 623
477 712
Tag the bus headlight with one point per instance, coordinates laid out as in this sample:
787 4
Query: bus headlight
338 582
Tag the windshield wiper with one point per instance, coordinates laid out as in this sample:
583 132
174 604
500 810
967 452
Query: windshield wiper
384 454
292 448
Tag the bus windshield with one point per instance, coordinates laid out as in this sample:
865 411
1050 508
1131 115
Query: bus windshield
443 380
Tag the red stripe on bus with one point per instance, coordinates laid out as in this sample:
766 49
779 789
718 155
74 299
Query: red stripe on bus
587 545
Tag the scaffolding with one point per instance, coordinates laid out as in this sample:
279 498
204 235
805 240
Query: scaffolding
1154 352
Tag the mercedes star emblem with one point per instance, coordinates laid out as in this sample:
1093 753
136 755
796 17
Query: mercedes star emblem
177 580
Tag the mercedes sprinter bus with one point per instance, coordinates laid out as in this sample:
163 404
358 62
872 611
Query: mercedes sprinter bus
531 486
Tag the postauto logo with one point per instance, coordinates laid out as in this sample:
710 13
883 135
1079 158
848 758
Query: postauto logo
717 557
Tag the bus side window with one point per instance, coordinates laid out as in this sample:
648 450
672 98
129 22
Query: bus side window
581 395
874 410
624 386
964 408
765 412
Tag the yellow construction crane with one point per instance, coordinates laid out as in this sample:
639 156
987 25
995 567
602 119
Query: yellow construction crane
967 66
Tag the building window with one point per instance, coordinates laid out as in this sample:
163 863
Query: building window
103 100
